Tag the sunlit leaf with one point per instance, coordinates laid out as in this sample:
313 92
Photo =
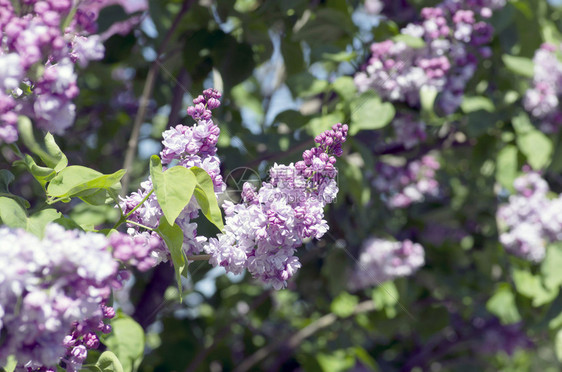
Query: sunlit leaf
173 187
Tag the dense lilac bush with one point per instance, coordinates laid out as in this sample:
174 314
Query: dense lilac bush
147 227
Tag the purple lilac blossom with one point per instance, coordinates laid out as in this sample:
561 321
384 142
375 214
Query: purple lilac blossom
50 289
382 260
495 337
187 146
36 52
408 130
134 251
262 233
542 99
529 221
402 186
454 40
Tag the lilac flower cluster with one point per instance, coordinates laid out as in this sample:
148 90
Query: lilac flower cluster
134 251
187 146
39 46
454 39
382 260
262 233
408 130
542 99
84 334
496 337
402 186
530 220
52 293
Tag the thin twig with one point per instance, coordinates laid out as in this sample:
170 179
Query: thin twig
224 332
144 100
292 342
199 257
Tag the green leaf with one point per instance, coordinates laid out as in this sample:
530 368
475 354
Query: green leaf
324 122
11 364
522 124
12 214
537 147
108 362
344 305
385 296
6 177
558 345
366 359
244 96
479 122
369 112
519 65
37 222
507 166
103 196
80 181
428 95
41 174
126 340
205 194
344 87
245 6
338 361
356 184
174 187
306 85
476 103
550 267
97 198
293 119
173 237
52 156
502 304
409 40
531 287
55 152
326 26
68 224
293 57
549 31
343 56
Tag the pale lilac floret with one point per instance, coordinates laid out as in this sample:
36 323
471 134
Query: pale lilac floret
409 131
401 186
382 260
530 221
188 146
262 233
542 98
454 41
38 53
52 295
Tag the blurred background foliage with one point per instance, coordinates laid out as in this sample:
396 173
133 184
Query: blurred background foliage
286 72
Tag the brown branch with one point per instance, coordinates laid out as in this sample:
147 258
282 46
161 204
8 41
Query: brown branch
152 297
224 332
292 342
145 98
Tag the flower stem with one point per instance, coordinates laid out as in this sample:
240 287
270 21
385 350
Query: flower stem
139 225
125 217
199 257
